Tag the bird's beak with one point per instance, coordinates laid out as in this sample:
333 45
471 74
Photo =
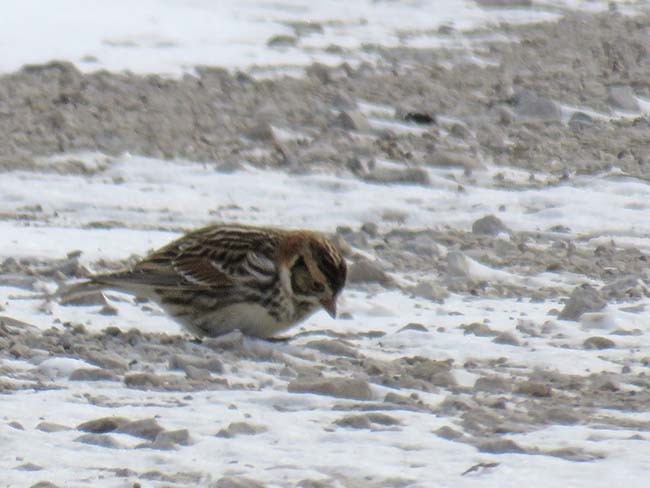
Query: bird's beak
329 304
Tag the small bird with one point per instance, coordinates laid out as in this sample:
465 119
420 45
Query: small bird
225 277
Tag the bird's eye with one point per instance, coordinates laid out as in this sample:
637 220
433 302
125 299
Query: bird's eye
317 286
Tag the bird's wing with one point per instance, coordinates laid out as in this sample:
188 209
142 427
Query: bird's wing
212 257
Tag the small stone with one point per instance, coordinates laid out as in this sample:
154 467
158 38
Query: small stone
282 40
584 298
598 342
51 427
144 429
409 176
92 297
237 482
366 421
504 3
507 338
499 446
108 310
92 374
478 329
355 389
44 484
322 73
29 467
534 389
489 226
16 425
449 159
241 428
101 440
354 120
529 105
334 347
168 439
421 118
143 380
102 425
448 433
493 384
623 98
413 326
366 271
429 291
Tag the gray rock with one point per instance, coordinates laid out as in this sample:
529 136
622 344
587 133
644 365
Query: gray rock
83 297
367 421
29 467
449 159
92 374
507 338
499 446
528 105
282 40
409 176
429 291
16 425
354 120
478 329
336 347
144 381
101 440
144 429
51 427
107 360
366 271
584 298
352 388
414 327
504 3
237 482
534 389
489 225
241 428
446 432
44 484
493 384
598 342
623 98
169 439
183 361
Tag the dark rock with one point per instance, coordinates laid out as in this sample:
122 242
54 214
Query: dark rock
598 342
102 425
413 326
489 225
409 176
534 389
422 118
448 433
281 40
366 420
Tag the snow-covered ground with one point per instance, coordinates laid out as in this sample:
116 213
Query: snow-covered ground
118 206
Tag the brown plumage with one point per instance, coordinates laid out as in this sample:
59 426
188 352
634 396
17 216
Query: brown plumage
225 277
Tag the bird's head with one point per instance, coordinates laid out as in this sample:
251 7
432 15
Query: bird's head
317 272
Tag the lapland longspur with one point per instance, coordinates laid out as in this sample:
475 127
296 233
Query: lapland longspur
226 277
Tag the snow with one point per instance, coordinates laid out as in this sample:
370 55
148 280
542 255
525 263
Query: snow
157 200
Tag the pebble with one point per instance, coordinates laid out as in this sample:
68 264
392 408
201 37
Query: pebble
241 428
51 427
92 374
102 425
237 482
623 98
101 440
351 388
412 176
335 347
584 298
168 439
366 271
489 226
534 389
366 421
493 384
529 105
507 338
144 429
499 446
354 120
598 342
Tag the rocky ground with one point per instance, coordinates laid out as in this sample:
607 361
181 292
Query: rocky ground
543 98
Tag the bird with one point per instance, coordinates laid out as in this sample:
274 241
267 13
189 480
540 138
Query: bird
225 277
